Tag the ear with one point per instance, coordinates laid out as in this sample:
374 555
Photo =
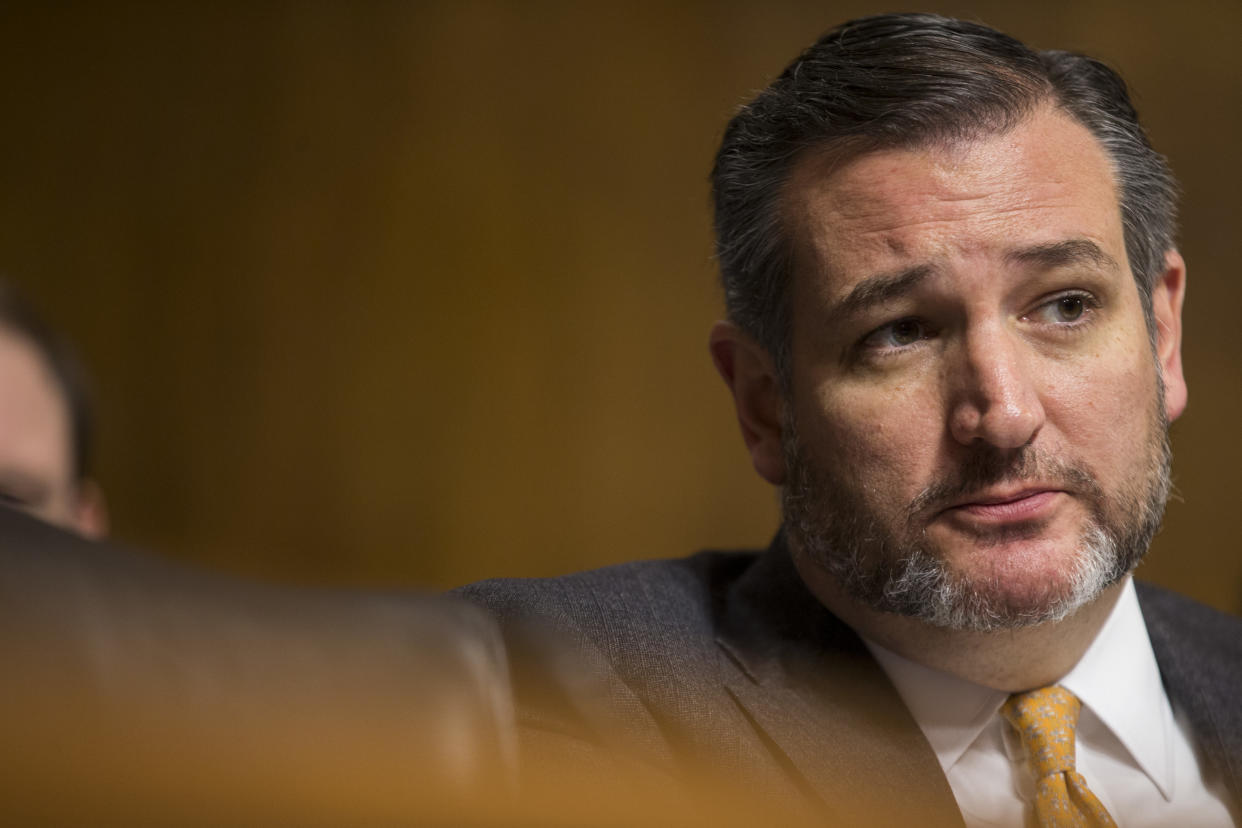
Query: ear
1166 304
750 373
90 511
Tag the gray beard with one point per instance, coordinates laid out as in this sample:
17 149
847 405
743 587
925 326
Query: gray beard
894 571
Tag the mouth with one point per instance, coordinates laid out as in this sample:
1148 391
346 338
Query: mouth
1026 504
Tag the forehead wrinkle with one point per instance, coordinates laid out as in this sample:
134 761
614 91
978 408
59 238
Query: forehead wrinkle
949 188
891 225
892 209
921 240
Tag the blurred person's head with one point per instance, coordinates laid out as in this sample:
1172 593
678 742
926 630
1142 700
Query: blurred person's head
45 424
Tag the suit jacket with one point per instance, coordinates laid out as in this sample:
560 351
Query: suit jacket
725 659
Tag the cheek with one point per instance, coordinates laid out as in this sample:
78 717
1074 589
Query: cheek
885 440
1106 412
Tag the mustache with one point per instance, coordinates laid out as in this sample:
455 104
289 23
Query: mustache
988 466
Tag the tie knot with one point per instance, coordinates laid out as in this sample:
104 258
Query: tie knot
1045 719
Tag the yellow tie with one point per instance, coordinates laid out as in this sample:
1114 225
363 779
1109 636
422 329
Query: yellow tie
1045 719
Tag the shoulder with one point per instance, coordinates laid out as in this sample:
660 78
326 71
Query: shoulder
1199 651
1177 621
640 599
616 656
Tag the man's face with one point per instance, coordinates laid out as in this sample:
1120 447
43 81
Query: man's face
975 433
36 470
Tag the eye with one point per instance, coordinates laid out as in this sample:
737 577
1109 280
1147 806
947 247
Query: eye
1068 309
899 334
906 332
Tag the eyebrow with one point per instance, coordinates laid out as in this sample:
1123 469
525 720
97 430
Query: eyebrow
881 288
1064 254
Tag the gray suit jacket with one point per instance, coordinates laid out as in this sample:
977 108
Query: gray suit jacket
725 658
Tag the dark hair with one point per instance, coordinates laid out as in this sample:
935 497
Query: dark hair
20 318
907 80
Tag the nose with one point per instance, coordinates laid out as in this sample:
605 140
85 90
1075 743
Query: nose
994 399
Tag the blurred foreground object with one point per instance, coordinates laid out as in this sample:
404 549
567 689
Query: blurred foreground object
142 692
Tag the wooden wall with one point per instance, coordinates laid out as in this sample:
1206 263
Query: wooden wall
418 293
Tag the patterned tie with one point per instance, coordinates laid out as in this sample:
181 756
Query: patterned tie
1045 719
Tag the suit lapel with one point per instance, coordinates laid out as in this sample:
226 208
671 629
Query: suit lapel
1199 652
822 706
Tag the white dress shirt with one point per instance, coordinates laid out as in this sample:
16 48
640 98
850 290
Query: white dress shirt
1134 752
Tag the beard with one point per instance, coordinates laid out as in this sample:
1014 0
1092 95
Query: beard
889 565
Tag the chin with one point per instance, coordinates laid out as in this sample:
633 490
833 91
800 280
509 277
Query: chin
1014 603
1028 584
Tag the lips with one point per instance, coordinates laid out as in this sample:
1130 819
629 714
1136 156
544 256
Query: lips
1024 505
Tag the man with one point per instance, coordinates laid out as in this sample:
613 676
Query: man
954 342
44 425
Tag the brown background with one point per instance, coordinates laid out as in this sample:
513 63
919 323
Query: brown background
418 293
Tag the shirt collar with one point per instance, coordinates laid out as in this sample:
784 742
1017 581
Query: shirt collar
1117 679
951 711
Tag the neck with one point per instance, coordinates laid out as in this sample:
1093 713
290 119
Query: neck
1011 660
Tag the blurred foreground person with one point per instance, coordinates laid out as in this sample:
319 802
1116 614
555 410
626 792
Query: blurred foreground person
954 343
45 424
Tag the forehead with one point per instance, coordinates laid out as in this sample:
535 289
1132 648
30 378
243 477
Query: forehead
1044 181
34 422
